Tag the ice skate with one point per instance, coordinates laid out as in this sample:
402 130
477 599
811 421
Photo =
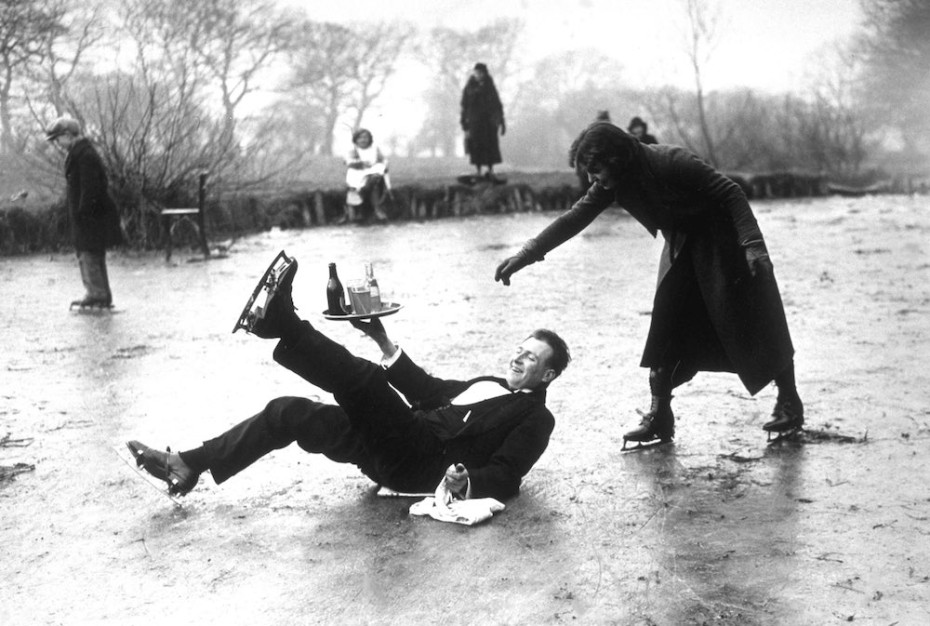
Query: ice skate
787 420
93 304
657 426
164 466
275 284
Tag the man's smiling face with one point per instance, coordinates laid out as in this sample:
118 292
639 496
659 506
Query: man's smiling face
529 366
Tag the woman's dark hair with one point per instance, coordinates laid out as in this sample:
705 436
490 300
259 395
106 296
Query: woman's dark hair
602 145
359 133
637 121
560 356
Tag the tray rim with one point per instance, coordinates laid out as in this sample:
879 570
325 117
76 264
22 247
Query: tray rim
396 306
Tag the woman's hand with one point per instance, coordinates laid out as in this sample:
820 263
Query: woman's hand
511 266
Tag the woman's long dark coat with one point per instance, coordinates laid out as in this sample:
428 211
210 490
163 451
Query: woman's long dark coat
94 219
709 313
481 117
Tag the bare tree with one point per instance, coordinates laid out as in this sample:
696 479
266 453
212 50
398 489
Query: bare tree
66 50
208 49
836 111
26 29
896 53
701 37
341 70
561 96
286 141
672 105
379 49
174 112
234 41
320 72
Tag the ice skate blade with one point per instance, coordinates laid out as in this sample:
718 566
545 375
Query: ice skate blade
95 311
157 485
644 445
794 434
90 307
267 286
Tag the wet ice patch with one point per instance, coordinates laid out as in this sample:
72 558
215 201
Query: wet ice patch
131 352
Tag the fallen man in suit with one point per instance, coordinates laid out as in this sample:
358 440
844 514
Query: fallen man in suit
480 436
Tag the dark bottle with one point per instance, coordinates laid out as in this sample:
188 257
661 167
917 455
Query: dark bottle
335 294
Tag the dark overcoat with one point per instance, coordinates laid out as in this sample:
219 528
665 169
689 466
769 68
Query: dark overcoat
481 116
95 222
709 313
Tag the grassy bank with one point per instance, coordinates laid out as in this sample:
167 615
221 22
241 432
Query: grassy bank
421 189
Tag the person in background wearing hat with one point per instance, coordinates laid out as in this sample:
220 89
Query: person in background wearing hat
717 307
94 219
481 118
640 129
366 178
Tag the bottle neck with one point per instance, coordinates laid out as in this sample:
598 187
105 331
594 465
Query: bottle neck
332 270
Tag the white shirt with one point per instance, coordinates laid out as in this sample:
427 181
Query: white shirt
478 392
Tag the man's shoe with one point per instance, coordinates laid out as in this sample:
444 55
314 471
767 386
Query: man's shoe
166 466
657 424
787 416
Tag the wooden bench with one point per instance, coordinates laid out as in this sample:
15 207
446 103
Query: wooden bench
172 217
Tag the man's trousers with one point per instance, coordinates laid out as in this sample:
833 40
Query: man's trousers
94 276
372 427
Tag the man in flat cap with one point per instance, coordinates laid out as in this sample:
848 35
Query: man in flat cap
94 219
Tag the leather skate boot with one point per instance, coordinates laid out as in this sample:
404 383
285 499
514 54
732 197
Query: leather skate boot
279 312
787 417
89 302
166 466
657 424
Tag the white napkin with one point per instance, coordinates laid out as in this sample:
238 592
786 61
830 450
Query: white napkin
444 507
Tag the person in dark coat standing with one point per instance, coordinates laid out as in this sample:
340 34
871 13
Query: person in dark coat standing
481 118
640 129
94 219
717 306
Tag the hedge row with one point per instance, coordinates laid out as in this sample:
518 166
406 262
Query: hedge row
28 231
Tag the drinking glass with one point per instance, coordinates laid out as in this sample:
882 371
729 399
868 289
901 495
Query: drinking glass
359 296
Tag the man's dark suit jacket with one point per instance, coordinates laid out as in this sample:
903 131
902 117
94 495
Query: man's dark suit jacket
500 442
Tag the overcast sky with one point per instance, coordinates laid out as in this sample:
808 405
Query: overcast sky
764 44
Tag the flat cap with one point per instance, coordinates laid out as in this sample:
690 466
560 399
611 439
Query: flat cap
62 126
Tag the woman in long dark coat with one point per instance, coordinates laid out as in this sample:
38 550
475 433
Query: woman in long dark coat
717 305
482 116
